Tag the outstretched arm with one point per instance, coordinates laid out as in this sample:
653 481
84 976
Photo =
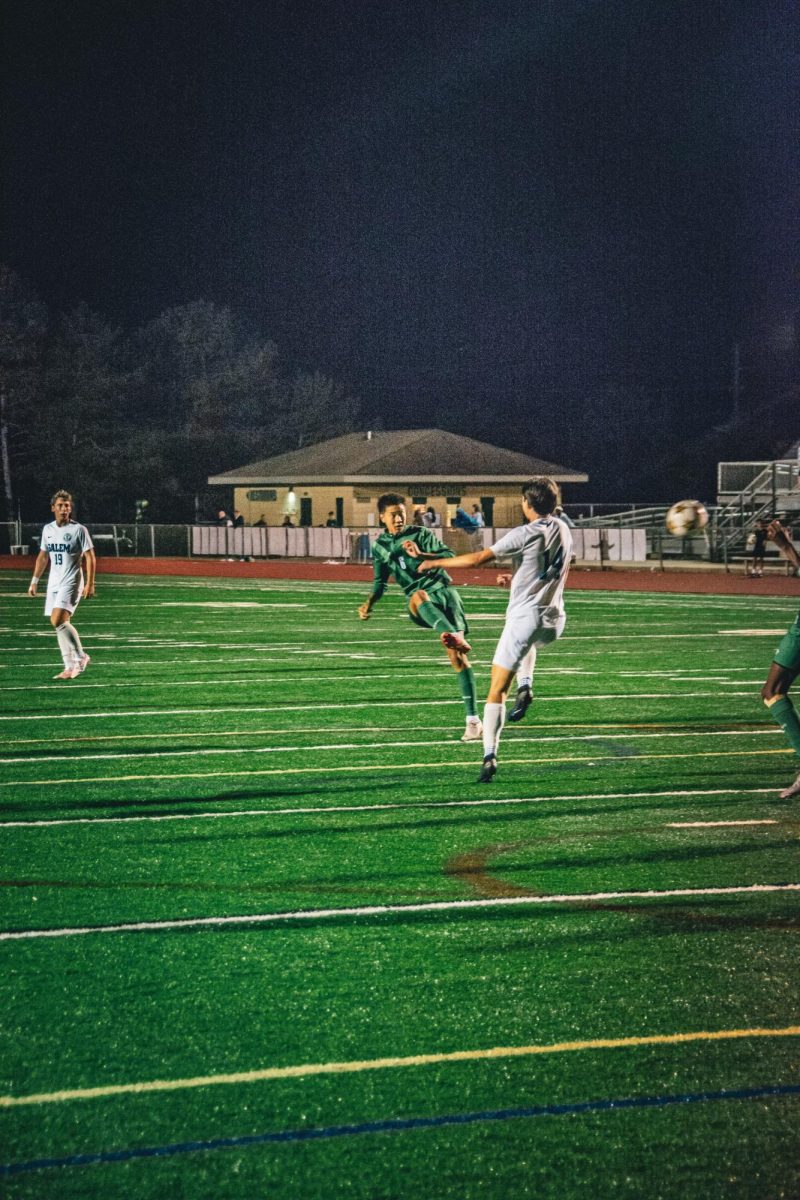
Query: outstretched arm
476 559
777 534
90 559
380 580
39 568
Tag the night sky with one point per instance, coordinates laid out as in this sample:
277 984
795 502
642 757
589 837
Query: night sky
532 212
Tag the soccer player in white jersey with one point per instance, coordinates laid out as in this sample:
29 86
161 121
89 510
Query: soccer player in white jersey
541 552
65 546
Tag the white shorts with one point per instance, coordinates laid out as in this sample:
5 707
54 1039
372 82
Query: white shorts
67 598
522 632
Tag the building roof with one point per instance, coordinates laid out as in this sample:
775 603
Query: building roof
394 456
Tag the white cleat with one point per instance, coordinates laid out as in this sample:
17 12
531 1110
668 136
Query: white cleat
792 790
80 666
473 732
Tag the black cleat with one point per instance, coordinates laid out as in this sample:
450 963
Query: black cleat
488 770
521 704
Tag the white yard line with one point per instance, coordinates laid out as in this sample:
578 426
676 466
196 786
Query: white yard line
520 739
716 824
355 768
321 811
377 910
77 715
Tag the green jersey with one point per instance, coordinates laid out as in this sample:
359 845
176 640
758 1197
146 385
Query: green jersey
389 558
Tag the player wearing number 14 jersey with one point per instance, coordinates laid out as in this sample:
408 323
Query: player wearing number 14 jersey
541 552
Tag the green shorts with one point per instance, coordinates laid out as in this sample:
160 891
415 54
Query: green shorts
788 652
448 601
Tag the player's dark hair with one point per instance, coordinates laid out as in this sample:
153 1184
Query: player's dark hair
387 499
542 494
60 495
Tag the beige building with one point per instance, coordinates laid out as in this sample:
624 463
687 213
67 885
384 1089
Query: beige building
345 476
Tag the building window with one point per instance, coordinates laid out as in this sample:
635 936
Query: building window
263 494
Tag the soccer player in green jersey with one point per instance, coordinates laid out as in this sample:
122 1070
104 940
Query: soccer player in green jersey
785 666
433 602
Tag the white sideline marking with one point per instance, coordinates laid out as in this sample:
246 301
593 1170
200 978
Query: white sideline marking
716 824
354 768
388 807
767 731
303 1070
226 604
604 729
752 632
377 910
76 715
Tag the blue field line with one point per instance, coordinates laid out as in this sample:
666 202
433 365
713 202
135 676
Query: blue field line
395 1125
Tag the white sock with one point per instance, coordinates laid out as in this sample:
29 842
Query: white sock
525 672
494 718
69 644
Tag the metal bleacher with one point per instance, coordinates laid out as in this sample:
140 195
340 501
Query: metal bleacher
746 492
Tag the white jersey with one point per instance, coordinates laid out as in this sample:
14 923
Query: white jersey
66 545
541 551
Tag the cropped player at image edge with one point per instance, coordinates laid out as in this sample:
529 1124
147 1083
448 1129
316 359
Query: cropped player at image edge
785 665
65 545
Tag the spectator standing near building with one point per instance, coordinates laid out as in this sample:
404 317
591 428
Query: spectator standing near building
477 517
65 545
758 540
462 520
431 518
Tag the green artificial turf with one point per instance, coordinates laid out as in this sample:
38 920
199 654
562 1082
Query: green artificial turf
249 749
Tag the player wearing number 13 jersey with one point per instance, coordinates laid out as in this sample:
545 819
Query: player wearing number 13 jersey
541 552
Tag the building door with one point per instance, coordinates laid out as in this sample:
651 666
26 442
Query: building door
340 511
487 508
305 510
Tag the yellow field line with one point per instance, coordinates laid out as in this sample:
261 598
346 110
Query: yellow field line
470 765
377 1064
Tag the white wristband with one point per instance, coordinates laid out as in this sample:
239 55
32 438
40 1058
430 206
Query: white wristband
36 579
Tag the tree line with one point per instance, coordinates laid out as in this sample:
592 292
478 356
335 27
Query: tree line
118 416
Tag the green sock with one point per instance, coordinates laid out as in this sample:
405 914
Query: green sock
782 710
434 617
469 694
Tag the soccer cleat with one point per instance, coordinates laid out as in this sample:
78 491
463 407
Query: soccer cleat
65 674
521 704
474 730
488 769
80 666
792 790
456 641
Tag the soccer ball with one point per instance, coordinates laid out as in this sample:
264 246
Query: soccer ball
687 516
